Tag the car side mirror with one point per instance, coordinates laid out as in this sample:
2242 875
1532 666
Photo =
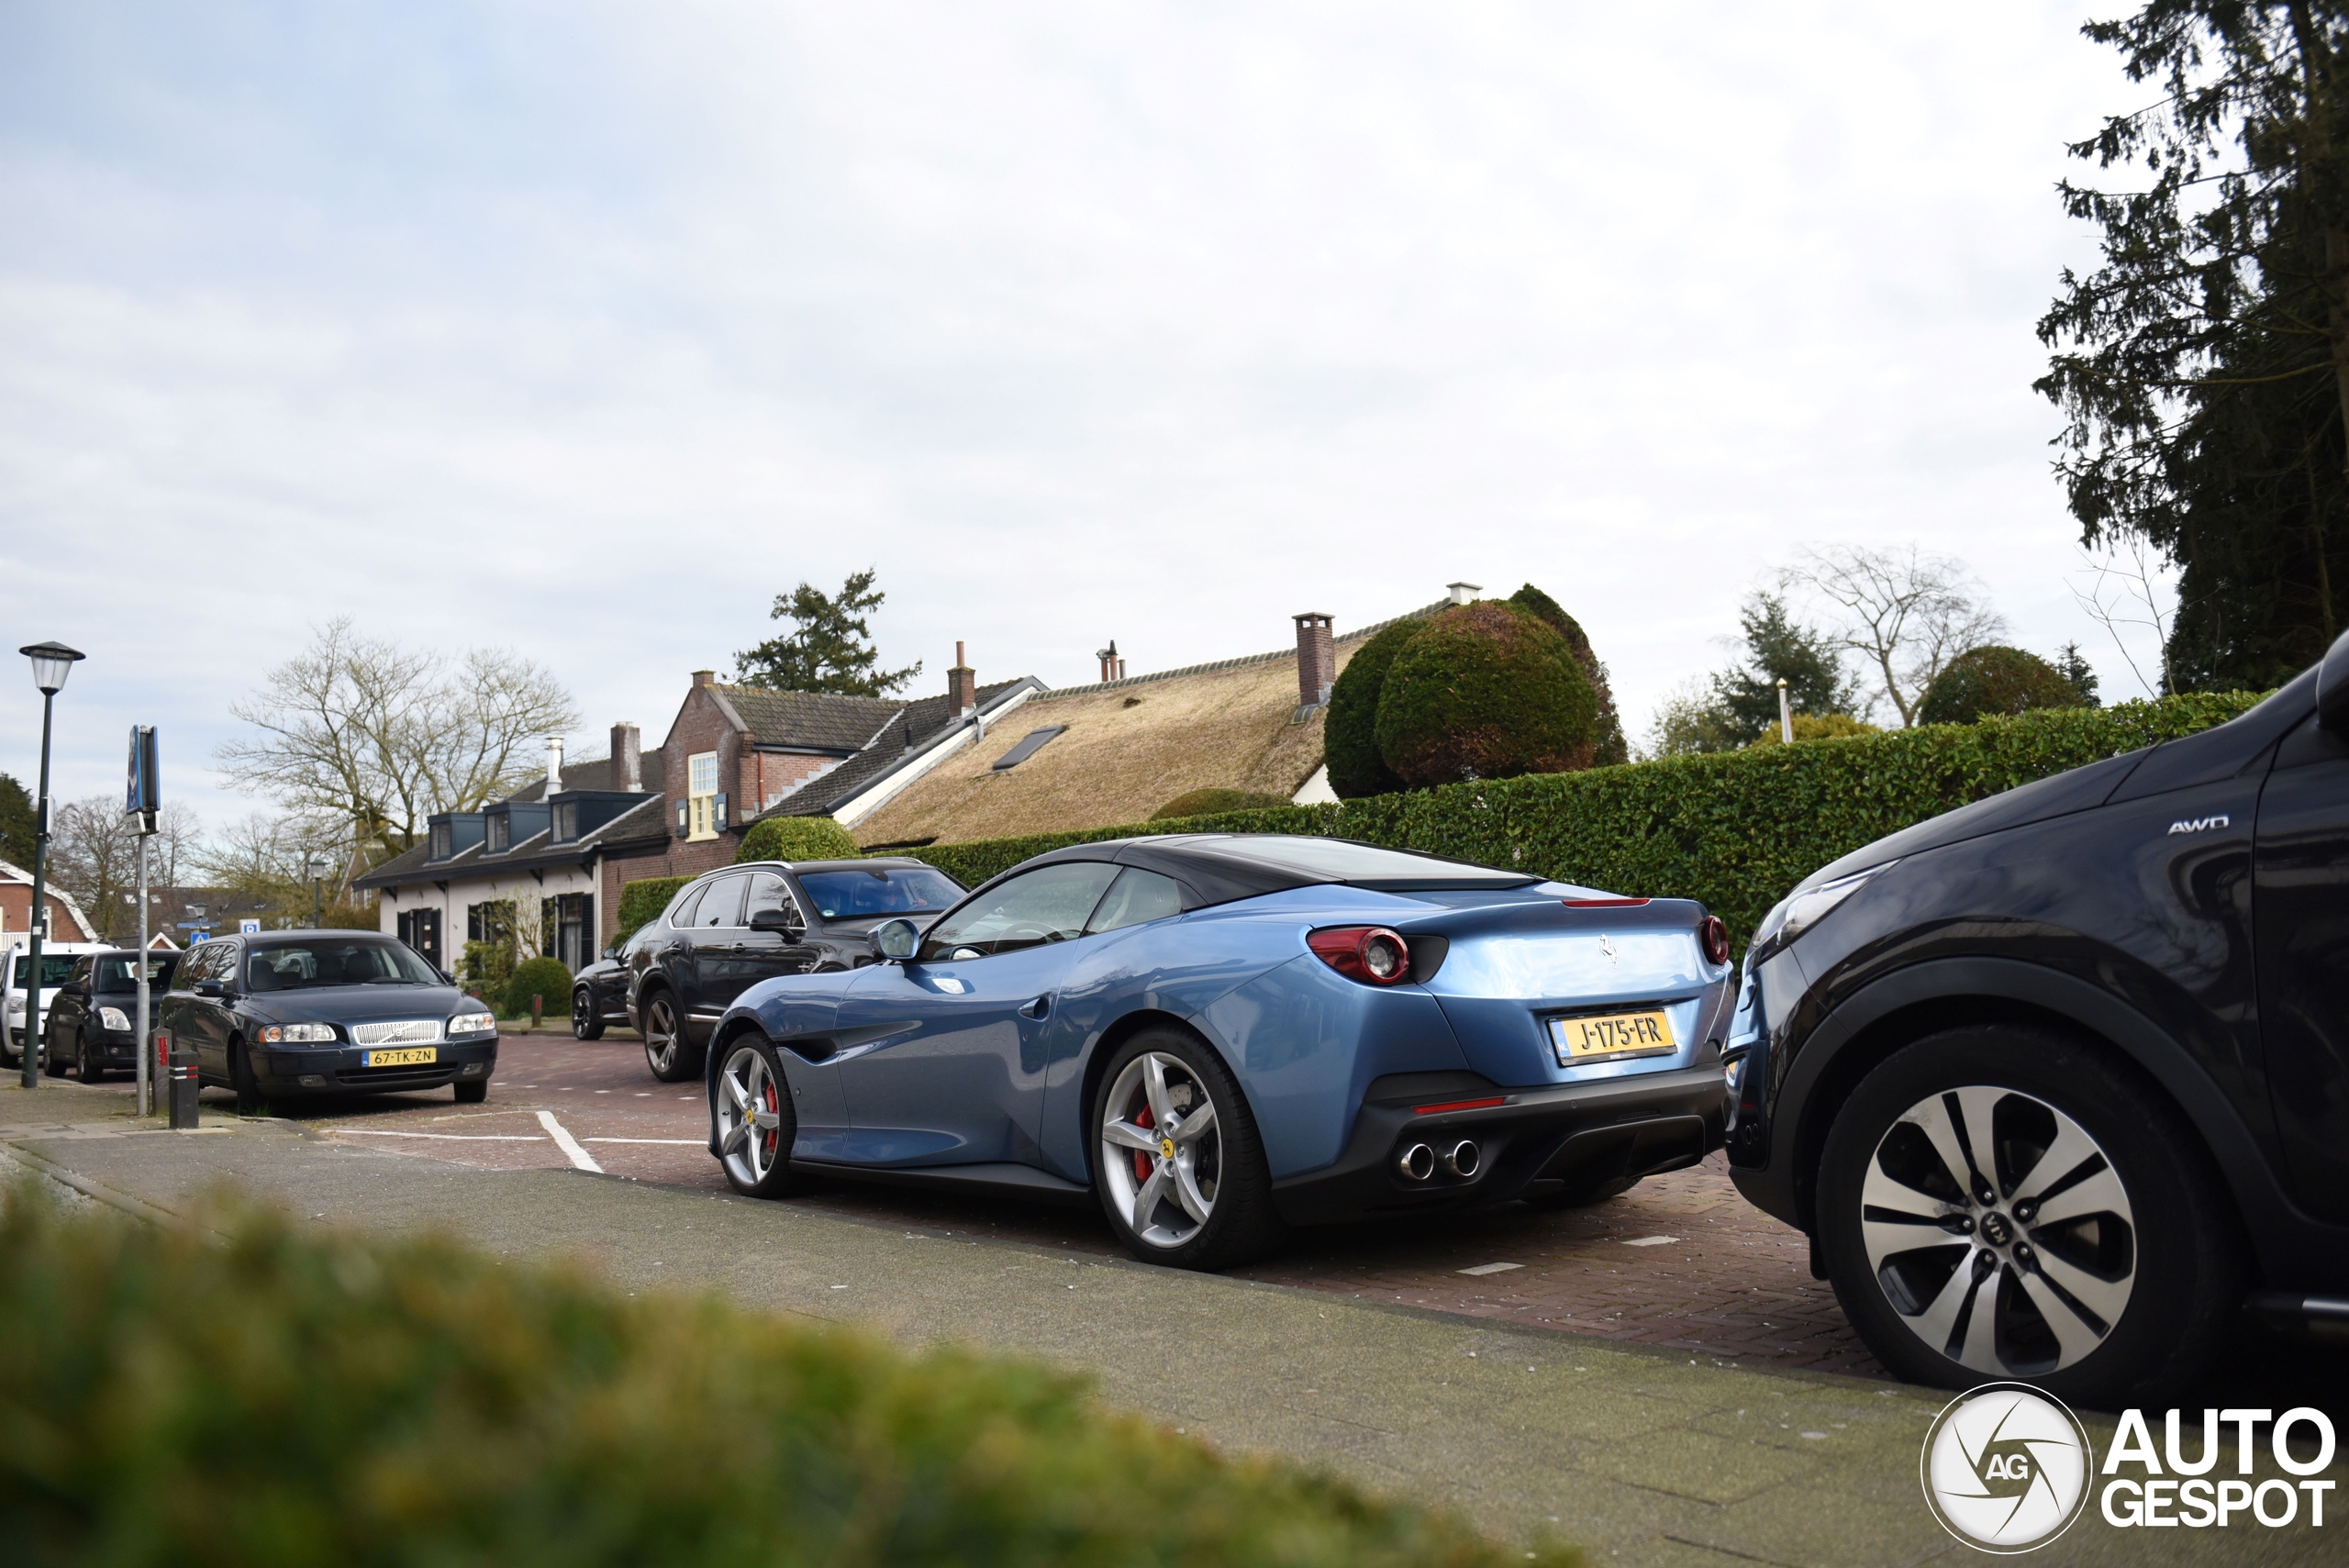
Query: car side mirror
212 988
612 952
2332 687
775 921
895 941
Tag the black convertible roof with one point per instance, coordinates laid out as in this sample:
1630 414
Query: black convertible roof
1220 867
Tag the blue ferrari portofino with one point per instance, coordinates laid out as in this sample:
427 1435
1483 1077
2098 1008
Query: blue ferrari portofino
1217 1037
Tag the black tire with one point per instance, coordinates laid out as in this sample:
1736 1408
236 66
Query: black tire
1582 1195
586 1019
671 1056
249 1099
757 1158
1240 1223
472 1092
52 1059
89 1071
2148 1235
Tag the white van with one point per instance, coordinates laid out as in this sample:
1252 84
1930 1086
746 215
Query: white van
56 968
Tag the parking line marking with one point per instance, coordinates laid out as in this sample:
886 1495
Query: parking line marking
687 1142
1652 1241
461 1137
568 1144
1492 1268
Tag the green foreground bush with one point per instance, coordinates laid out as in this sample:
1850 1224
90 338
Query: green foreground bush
1733 829
292 1398
642 899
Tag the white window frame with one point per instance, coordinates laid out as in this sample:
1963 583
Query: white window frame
701 803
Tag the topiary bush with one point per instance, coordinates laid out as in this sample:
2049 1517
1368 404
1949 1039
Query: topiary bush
1485 692
544 978
1350 732
1820 727
1608 745
1206 802
1733 829
796 838
410 1402
1990 680
643 900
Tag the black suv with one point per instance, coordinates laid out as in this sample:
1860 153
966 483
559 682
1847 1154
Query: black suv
2055 1081
729 930
90 1028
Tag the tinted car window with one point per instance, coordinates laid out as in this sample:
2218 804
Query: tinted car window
721 904
117 973
1137 897
884 890
684 915
769 891
81 970
55 969
1366 863
1047 905
296 967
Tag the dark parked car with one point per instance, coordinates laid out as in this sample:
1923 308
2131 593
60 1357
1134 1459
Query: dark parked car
599 996
91 1027
2053 1081
730 928
296 1012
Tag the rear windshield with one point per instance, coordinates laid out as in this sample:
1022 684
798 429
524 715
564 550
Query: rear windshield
297 966
117 973
56 969
1369 864
884 890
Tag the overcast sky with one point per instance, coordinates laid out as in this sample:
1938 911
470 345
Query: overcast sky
586 329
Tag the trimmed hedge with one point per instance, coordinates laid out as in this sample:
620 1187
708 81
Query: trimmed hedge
643 900
796 838
269 1397
1350 732
1486 690
1732 829
1993 679
545 978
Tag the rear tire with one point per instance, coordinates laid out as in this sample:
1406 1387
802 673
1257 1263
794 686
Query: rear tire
2003 1203
757 1122
1203 1180
586 1021
666 1051
473 1093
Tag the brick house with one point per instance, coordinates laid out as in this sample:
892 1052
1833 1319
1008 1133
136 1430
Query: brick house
66 921
573 838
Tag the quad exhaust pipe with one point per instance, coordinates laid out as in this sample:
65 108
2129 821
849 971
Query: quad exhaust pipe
1419 1163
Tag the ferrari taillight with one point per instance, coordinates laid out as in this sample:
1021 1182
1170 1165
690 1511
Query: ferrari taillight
1714 938
1372 954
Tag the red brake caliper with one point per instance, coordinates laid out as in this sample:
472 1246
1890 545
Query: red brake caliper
774 1107
1141 1161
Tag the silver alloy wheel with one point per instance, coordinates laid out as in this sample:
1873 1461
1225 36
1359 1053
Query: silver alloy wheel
1999 1230
1161 1149
580 1009
750 1118
660 1033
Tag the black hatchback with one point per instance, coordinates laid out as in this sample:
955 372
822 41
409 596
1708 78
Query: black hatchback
305 1013
2058 1081
91 1027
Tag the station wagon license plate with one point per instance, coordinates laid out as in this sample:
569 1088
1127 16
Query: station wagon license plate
1602 1036
404 1056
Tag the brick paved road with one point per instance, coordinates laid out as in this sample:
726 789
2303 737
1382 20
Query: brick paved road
1679 1260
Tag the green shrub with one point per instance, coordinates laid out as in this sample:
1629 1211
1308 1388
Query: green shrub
643 900
1485 692
1990 680
1819 727
1207 802
1735 830
1607 746
543 977
1350 732
257 1395
796 838
487 967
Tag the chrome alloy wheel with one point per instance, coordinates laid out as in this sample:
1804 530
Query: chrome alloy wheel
750 1118
661 1035
1161 1151
1998 1231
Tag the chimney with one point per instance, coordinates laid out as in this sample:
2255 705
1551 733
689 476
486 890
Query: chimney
1461 592
628 761
1112 667
961 686
554 764
705 677
1317 661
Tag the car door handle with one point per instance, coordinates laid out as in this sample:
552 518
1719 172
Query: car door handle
1036 1008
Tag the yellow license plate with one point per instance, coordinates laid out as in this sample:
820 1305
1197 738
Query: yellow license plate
1607 1035
406 1056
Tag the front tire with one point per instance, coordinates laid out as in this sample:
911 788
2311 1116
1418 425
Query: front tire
1177 1160
666 1052
757 1122
473 1093
86 1070
250 1100
586 1019
2003 1203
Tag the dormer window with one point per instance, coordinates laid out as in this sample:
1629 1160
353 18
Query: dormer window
440 851
566 821
500 833
701 796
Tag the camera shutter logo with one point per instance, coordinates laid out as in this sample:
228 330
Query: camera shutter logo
2006 1468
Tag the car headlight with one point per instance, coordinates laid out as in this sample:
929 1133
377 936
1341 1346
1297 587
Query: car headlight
1797 912
473 1023
112 1018
15 1007
297 1034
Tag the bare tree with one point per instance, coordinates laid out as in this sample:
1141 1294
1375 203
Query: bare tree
276 859
1906 613
380 737
91 856
2127 592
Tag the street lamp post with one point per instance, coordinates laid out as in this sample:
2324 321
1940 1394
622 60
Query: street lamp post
51 663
